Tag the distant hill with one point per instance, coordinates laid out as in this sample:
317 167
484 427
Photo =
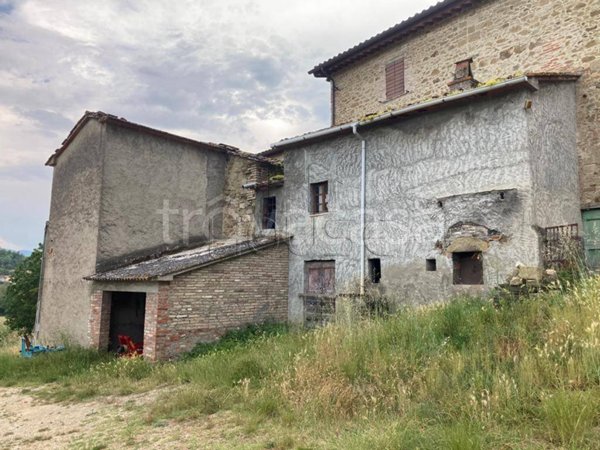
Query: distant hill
9 260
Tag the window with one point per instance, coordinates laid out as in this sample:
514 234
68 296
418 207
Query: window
375 270
269 213
320 277
394 79
430 265
468 267
319 198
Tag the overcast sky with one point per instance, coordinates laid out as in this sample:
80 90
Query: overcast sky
230 71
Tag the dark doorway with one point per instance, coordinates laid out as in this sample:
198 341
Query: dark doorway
127 313
468 268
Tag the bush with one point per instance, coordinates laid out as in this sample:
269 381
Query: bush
20 300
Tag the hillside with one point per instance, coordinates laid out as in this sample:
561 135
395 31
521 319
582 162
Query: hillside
9 260
467 375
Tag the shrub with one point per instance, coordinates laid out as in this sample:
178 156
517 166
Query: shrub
20 300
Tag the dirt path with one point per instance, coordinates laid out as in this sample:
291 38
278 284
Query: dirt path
26 422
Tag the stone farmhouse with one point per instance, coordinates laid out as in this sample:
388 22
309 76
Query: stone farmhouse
463 141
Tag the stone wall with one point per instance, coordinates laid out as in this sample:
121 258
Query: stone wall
239 205
202 305
504 37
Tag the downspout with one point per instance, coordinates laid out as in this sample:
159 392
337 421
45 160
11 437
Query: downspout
38 307
363 160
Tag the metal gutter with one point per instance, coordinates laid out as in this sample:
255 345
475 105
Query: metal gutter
530 84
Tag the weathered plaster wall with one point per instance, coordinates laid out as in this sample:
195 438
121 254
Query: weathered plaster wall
552 135
71 242
424 175
503 37
143 174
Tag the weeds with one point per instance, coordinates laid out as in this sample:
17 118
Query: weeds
463 375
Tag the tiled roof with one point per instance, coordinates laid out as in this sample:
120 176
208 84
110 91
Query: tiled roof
187 260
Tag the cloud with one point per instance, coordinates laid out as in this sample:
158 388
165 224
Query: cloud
231 71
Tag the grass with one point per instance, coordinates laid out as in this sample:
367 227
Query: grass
464 375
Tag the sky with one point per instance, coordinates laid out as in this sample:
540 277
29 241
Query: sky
231 71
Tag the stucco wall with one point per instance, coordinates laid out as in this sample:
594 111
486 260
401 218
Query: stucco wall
424 175
503 37
144 171
71 242
552 130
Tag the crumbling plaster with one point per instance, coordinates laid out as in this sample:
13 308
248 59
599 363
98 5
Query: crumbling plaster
424 175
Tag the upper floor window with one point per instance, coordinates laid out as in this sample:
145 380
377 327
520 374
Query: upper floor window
269 213
319 197
394 79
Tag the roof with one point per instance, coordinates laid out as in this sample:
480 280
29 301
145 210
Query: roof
523 82
119 121
420 21
187 260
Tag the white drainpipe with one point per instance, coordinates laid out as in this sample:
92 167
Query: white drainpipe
363 170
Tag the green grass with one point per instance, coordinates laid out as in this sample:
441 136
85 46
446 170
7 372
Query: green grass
464 375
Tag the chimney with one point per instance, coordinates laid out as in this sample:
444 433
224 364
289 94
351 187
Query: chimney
463 76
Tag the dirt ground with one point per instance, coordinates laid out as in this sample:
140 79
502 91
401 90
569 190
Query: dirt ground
27 422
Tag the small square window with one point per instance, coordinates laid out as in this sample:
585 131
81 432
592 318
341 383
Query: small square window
269 213
375 270
468 267
430 265
319 198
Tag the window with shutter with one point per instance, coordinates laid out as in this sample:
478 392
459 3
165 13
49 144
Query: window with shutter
394 79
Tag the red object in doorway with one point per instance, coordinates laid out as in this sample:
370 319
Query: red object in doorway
129 348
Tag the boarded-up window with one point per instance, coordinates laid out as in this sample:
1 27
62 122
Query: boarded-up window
468 267
319 198
269 213
320 277
394 79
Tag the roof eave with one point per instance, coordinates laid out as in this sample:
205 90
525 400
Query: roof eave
524 82
417 22
168 275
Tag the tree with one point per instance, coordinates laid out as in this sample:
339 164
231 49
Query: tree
2 292
20 300
9 260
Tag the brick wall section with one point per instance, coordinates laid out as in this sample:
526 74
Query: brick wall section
504 37
156 316
99 323
202 305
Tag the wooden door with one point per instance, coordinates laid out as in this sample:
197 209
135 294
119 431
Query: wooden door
591 233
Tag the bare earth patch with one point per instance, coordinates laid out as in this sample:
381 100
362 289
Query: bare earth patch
27 422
